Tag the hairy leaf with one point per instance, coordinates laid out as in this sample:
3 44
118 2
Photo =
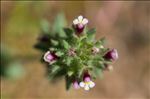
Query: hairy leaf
68 82
65 44
68 31
91 34
59 24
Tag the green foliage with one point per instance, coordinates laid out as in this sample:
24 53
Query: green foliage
68 31
59 53
65 44
100 42
91 34
54 42
68 82
74 52
59 24
45 26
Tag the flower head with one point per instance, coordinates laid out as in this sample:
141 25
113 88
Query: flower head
50 57
111 55
87 83
79 24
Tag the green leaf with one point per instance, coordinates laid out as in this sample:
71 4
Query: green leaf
68 82
55 68
100 42
98 72
102 66
65 44
91 34
59 23
68 61
70 73
52 49
45 26
80 72
59 53
83 38
68 31
56 72
103 40
91 31
89 63
54 42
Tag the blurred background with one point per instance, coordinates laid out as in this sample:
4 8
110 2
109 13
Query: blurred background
124 24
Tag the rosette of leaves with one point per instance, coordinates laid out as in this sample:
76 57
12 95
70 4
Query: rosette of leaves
74 51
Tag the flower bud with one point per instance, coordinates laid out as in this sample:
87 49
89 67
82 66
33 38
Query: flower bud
87 83
79 28
76 84
71 52
111 55
86 77
108 67
50 57
95 50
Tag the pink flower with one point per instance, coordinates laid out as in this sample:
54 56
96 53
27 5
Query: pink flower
111 55
50 57
87 83
79 24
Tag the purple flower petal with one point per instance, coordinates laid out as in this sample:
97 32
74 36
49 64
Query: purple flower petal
86 77
111 55
49 57
79 28
76 85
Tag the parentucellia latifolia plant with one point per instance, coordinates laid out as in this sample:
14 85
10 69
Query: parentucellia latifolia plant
74 53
